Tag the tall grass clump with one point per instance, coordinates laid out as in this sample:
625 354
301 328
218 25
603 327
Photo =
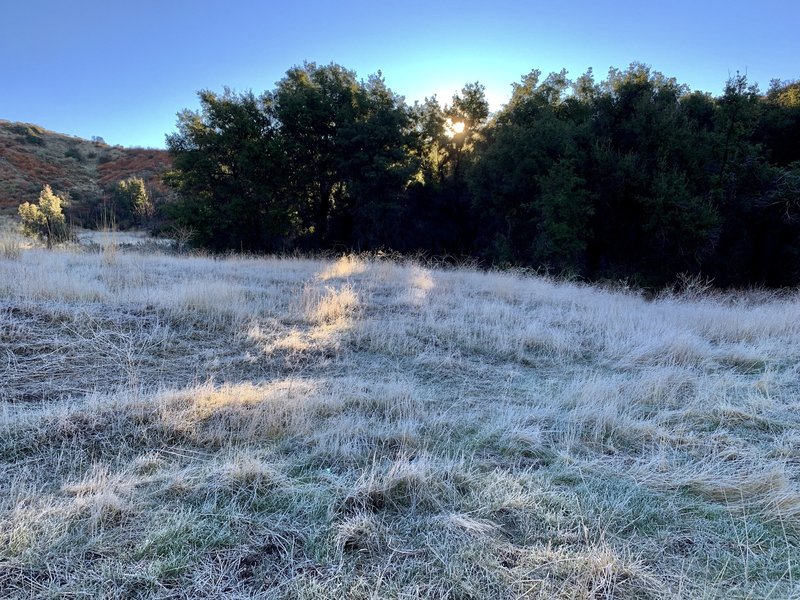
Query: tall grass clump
10 247
11 240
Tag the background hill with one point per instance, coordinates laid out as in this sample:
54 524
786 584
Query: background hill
31 156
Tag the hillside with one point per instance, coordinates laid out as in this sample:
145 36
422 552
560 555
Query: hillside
31 156
189 427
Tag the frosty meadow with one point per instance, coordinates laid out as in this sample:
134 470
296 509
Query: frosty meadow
293 428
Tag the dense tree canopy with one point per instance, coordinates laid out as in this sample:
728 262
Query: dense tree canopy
634 176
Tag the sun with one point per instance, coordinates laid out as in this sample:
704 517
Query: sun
454 129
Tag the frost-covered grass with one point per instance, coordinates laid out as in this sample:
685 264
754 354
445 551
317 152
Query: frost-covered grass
291 428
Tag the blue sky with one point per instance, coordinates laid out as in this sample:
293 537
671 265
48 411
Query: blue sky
122 70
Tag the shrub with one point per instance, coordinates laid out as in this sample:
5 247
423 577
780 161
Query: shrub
45 219
74 153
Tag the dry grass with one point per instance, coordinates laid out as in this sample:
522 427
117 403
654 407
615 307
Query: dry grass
10 246
287 428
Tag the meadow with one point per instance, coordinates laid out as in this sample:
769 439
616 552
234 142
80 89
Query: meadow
241 427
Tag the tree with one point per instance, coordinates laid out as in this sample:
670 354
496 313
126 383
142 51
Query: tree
323 160
648 167
229 171
779 129
466 115
738 114
565 212
465 119
349 148
742 176
312 105
375 164
132 203
45 219
528 195
631 177
430 128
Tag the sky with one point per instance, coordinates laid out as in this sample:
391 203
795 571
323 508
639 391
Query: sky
123 70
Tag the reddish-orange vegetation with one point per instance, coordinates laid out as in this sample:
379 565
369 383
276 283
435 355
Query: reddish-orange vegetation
32 166
31 157
135 162
22 175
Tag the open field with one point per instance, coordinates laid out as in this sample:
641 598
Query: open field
192 427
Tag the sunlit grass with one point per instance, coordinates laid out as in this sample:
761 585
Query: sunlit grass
291 428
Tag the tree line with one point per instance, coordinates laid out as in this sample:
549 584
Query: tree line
632 177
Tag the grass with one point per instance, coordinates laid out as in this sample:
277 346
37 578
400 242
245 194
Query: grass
290 428
11 239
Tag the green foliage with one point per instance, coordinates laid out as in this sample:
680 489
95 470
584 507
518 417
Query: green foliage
564 218
130 203
429 121
632 177
322 160
375 166
317 108
778 129
45 220
349 146
679 227
229 173
470 106
526 189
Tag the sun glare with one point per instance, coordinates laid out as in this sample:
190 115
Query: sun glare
454 129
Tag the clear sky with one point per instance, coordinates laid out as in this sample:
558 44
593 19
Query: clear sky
122 70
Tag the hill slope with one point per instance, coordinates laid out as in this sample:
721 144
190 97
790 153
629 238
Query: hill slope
286 428
31 156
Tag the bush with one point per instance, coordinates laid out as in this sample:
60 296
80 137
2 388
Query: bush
131 204
74 153
45 220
